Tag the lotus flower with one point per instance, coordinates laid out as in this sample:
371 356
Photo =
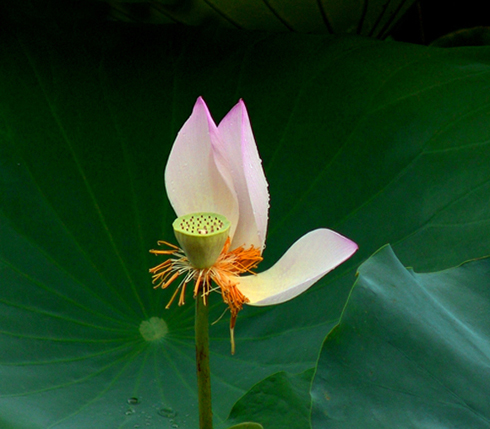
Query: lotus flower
217 187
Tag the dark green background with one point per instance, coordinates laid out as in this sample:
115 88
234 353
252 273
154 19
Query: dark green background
383 142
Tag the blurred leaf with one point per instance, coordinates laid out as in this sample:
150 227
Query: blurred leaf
411 350
381 142
374 18
247 425
478 36
279 401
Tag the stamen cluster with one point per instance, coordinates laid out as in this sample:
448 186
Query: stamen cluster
224 273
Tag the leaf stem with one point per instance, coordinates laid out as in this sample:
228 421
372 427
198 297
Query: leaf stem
202 363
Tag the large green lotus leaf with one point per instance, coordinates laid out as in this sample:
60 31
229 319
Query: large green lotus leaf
373 18
381 142
411 350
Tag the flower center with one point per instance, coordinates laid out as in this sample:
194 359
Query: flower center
224 271
202 237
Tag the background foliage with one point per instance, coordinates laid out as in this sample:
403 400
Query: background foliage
383 142
374 18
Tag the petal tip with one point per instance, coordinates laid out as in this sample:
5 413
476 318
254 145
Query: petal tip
200 104
352 245
239 111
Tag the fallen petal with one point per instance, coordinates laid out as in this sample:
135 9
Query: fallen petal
306 261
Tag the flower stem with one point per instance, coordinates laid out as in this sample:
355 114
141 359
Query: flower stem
202 362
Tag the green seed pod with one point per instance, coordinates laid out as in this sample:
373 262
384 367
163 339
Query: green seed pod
202 237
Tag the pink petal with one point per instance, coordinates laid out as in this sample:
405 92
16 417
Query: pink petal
239 148
306 261
196 178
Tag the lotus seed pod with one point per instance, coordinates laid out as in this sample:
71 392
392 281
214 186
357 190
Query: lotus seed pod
202 237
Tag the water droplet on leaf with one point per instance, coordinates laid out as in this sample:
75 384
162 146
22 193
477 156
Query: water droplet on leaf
167 412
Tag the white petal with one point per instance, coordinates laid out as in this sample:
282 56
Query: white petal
306 261
196 178
240 149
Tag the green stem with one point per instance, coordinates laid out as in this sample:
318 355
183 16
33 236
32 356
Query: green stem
202 362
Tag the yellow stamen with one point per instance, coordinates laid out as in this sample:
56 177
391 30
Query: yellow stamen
182 294
198 282
166 243
160 266
232 340
172 299
168 282
162 252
